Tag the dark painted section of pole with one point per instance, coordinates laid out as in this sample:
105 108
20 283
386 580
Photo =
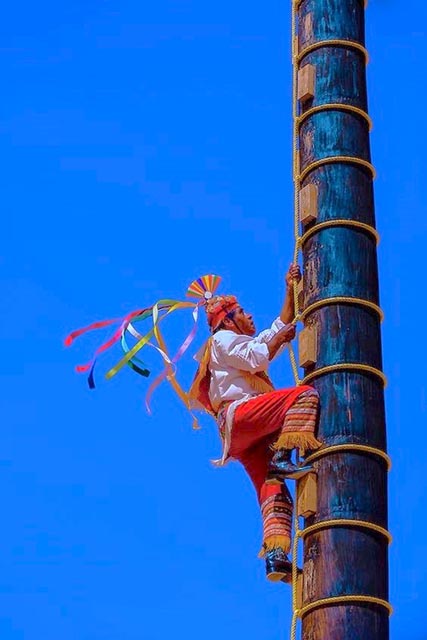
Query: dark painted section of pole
342 261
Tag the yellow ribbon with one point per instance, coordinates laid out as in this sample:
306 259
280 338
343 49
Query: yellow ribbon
145 339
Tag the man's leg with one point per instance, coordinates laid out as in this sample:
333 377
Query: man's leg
289 413
299 424
287 418
276 510
297 433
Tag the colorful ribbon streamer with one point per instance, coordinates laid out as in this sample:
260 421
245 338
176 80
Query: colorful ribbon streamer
202 288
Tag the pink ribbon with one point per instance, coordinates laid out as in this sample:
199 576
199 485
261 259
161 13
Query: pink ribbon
182 349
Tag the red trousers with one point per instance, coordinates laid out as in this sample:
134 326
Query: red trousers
257 424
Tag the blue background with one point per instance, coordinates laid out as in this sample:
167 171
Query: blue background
144 144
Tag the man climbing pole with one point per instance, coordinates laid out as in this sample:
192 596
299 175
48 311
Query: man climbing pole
259 426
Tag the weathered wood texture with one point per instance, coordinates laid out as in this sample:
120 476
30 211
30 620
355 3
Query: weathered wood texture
342 261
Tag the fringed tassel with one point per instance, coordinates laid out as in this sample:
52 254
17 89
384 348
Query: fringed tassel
274 542
260 382
297 440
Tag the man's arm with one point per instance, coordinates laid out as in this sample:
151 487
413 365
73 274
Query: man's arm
287 314
246 354
279 339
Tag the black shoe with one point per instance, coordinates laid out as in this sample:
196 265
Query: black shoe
278 566
281 467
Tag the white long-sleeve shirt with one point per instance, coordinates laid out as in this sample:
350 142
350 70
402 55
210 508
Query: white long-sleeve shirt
231 354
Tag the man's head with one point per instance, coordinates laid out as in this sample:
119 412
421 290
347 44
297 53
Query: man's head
224 312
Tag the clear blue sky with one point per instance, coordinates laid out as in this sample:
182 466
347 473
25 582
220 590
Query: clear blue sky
144 144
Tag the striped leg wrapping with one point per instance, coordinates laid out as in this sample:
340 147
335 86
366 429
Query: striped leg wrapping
276 513
299 424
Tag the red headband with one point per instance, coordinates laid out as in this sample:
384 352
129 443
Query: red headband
218 307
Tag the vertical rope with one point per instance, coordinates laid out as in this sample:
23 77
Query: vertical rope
296 181
295 611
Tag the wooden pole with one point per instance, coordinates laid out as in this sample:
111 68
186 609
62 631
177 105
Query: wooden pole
341 261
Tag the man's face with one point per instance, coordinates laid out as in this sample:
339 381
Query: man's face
242 322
